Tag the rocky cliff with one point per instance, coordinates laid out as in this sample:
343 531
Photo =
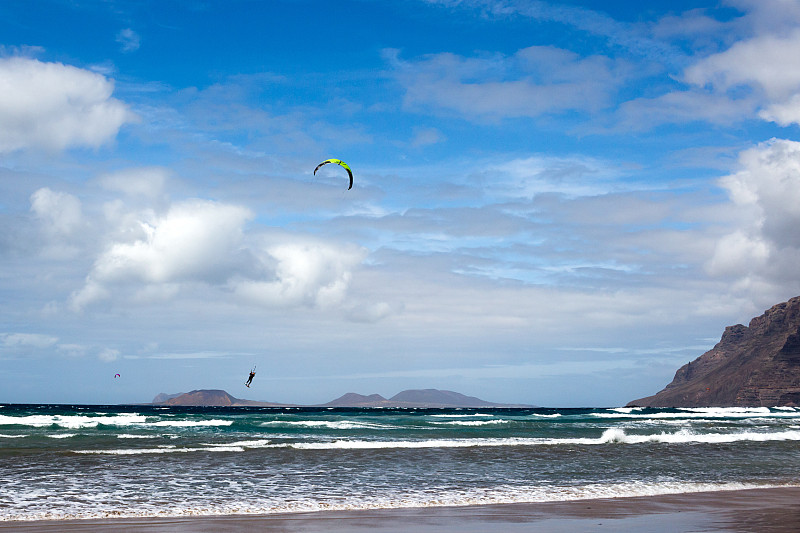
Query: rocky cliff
754 365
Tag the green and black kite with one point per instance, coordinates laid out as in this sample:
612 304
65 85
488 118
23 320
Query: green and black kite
341 164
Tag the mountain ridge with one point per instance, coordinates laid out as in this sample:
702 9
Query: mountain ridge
412 398
751 366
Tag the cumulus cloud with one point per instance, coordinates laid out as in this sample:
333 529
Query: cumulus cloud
311 273
194 240
765 248
529 83
55 106
768 64
153 257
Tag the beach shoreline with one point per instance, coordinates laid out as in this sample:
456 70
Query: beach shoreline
774 510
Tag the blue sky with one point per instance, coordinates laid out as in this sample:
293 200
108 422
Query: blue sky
555 203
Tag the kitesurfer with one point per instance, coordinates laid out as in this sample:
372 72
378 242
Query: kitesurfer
250 378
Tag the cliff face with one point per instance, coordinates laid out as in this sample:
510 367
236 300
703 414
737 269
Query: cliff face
757 365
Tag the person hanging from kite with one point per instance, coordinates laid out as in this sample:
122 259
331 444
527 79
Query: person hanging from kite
250 378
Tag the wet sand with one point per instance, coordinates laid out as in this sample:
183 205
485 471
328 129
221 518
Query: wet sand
761 510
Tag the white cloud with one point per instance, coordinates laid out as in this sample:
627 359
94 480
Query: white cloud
784 113
763 252
60 212
684 107
145 182
55 106
194 241
738 254
534 81
61 222
426 137
309 273
201 244
72 350
774 16
572 176
32 340
770 183
129 40
108 355
769 64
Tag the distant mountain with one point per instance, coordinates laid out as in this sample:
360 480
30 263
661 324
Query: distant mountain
211 398
163 397
426 398
351 399
756 365
421 398
444 398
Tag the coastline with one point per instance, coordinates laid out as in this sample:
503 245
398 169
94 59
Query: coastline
775 510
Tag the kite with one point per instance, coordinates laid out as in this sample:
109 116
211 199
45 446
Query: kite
116 376
341 164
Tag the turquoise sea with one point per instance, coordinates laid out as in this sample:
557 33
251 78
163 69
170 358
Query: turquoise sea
88 461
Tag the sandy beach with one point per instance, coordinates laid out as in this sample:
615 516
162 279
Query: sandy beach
762 510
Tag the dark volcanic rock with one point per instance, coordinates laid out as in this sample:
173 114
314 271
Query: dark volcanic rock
443 398
410 398
163 397
757 365
352 399
213 398
418 398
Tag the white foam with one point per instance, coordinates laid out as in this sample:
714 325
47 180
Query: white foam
161 450
610 436
626 410
238 446
121 420
405 500
72 421
471 422
442 415
189 423
328 424
700 413
685 436
261 443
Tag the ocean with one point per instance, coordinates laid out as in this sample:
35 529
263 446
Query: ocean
62 462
